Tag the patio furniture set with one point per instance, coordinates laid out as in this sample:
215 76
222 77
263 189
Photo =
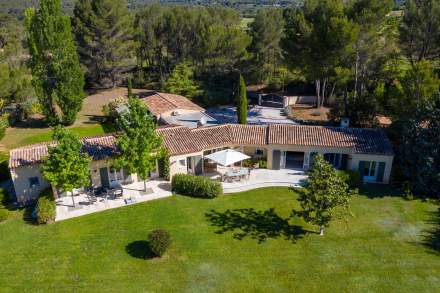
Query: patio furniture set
104 194
228 158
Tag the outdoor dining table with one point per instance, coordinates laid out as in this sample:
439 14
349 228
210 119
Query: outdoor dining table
237 174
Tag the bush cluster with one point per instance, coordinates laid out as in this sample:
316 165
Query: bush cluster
46 207
159 241
250 163
353 178
196 186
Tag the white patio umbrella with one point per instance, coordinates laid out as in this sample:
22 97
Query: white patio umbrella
227 157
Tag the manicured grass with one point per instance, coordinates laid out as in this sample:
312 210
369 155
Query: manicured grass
24 136
237 243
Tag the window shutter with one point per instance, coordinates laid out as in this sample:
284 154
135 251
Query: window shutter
380 172
312 158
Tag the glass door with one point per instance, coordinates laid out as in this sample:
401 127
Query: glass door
370 172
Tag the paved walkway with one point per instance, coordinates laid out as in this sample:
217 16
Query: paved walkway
155 189
160 189
267 178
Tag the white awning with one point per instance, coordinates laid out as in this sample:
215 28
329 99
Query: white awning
227 157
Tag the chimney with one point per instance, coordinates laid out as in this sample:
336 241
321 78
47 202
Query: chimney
345 122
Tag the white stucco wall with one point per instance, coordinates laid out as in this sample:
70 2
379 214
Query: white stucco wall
20 177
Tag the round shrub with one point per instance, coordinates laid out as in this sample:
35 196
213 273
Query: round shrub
196 186
159 241
46 208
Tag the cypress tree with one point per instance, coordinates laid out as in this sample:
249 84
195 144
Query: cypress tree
104 33
241 100
57 76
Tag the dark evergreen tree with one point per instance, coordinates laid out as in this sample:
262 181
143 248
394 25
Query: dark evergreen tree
266 31
57 76
241 100
418 152
420 29
104 35
318 36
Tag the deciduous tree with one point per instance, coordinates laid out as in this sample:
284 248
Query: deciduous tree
326 197
57 76
67 167
139 145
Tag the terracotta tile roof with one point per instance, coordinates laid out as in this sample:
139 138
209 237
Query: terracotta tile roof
362 140
182 140
99 148
159 103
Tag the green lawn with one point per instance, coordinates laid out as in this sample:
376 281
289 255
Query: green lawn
236 243
17 137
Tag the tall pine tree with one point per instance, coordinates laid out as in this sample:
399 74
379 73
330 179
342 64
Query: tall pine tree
104 33
57 76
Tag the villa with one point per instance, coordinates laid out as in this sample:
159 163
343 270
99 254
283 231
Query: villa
286 147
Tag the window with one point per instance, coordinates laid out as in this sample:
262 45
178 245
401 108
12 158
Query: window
34 182
189 163
334 159
259 152
370 169
370 172
182 162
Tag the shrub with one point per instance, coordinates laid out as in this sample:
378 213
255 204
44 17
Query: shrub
353 178
46 208
196 186
109 110
250 163
3 214
262 163
159 241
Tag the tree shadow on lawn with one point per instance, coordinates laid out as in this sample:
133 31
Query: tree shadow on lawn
259 225
140 249
432 236
372 191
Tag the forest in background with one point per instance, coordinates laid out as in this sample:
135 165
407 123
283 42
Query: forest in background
248 8
362 59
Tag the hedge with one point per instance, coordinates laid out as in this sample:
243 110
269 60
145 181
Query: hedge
196 186
46 208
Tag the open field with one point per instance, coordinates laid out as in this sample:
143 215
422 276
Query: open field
237 243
